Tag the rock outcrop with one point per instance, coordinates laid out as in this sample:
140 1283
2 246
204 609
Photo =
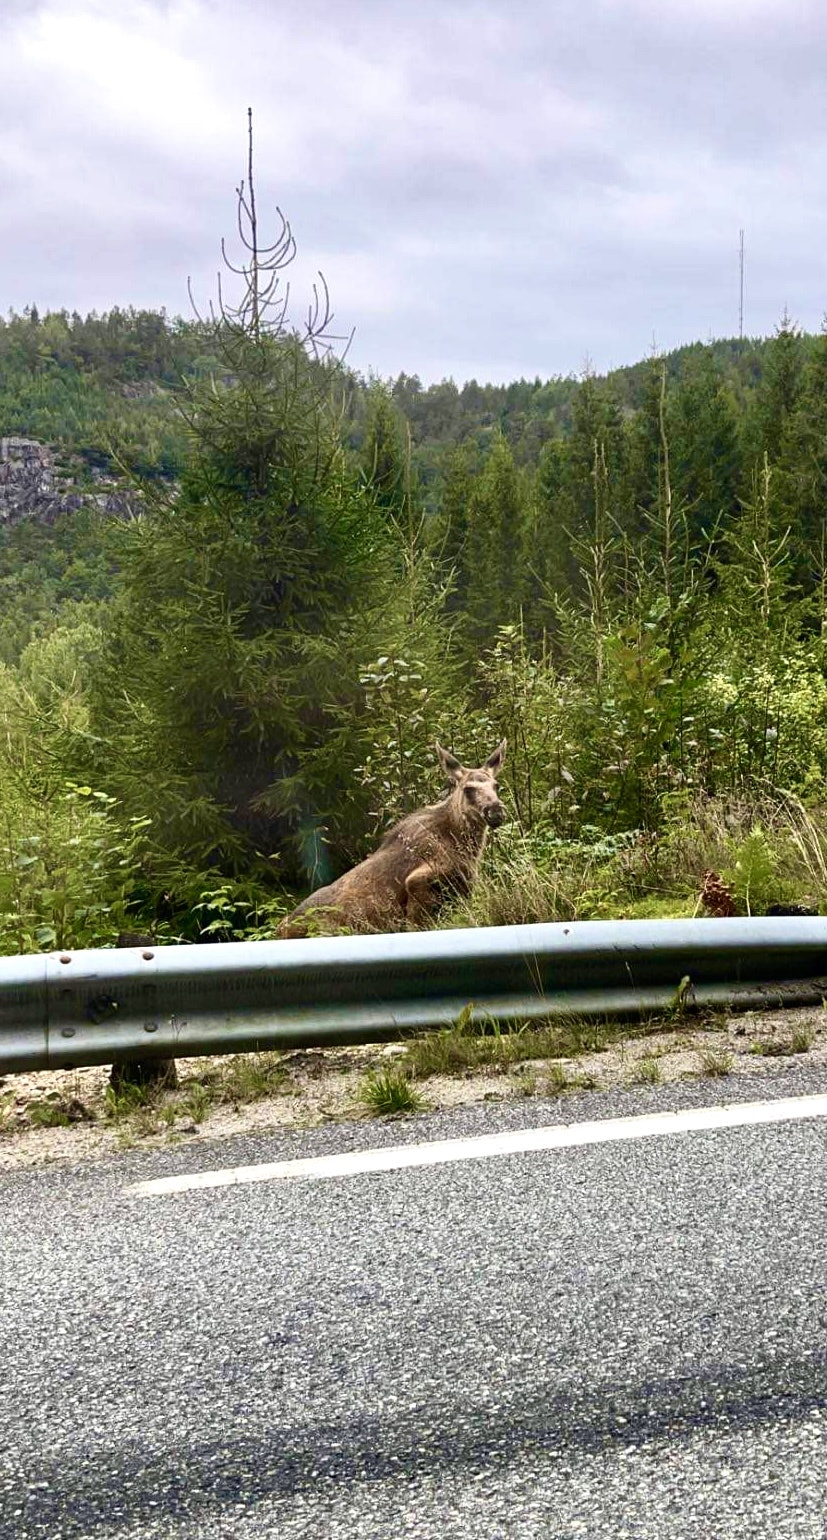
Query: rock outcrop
32 487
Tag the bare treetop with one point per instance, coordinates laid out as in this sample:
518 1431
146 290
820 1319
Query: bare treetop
263 306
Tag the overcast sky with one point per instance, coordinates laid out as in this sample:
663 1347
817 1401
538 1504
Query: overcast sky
492 188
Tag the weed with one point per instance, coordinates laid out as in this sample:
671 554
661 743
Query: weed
557 1080
388 1091
58 1110
715 1062
126 1101
681 998
251 1077
583 1083
799 1041
47 1115
524 1081
197 1102
647 1071
6 1112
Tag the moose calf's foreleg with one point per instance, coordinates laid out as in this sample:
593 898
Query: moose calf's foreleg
420 887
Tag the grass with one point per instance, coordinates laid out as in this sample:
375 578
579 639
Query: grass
47 1115
647 1071
253 1077
139 1111
471 1045
715 1062
386 1092
800 1041
127 1100
525 1081
246 1078
557 1080
197 1102
451 1053
647 875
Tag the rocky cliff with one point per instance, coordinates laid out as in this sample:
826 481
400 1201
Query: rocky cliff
32 487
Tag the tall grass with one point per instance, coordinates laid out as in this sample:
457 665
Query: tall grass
770 849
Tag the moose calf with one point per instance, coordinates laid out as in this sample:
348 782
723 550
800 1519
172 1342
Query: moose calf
428 857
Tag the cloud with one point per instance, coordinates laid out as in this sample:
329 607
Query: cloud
489 190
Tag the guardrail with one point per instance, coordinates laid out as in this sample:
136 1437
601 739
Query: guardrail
102 1007
108 1006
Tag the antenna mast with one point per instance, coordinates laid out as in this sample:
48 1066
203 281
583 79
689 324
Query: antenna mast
741 302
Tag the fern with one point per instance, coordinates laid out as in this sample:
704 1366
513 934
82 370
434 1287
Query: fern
754 875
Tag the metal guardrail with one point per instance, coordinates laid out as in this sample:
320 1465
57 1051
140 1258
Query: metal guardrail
102 1007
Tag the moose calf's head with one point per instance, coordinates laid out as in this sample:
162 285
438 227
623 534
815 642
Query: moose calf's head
476 790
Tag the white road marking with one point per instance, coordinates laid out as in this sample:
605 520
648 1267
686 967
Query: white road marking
397 1157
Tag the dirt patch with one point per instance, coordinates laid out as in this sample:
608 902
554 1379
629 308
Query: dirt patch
68 1116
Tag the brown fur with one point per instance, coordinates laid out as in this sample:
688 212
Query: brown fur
428 857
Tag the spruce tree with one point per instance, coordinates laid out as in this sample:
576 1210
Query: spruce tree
596 428
548 546
642 487
775 399
498 524
802 477
450 534
231 671
705 450
384 453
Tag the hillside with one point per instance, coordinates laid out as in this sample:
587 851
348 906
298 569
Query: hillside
103 390
224 700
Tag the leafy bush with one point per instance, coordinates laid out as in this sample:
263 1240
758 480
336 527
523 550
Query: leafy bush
67 867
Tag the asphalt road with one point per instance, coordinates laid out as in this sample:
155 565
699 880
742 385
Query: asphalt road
624 1340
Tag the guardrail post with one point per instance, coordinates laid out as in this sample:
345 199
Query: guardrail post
143 1074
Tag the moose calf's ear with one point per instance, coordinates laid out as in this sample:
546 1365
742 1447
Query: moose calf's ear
496 760
450 765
